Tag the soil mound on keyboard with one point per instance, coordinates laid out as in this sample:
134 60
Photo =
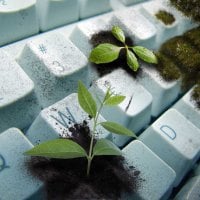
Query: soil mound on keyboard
66 179
107 37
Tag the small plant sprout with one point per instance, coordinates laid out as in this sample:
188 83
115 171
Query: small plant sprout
106 52
68 149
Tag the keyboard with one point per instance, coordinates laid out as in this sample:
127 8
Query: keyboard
44 50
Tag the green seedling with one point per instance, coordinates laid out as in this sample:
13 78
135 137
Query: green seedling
68 149
106 52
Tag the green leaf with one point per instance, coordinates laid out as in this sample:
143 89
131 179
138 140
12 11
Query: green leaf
104 53
118 33
58 148
145 54
132 60
86 100
114 100
117 129
107 95
106 147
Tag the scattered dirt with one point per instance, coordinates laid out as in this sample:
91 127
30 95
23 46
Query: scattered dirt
166 17
66 179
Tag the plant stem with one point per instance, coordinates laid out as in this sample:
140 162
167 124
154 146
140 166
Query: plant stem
90 156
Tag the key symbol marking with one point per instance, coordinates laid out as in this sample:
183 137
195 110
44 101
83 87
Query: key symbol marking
168 131
3 163
42 48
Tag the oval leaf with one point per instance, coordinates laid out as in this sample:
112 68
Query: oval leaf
104 53
114 100
86 100
106 147
145 54
117 129
132 61
118 33
58 148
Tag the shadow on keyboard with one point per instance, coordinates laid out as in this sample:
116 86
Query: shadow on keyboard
44 52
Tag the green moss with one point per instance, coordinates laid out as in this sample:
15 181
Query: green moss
194 37
183 53
166 17
167 68
190 8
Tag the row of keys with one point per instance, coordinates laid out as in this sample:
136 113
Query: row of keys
15 16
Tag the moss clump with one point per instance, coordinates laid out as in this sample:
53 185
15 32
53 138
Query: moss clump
190 8
166 17
183 53
194 37
167 68
179 57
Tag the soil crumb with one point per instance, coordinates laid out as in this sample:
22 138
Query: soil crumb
67 180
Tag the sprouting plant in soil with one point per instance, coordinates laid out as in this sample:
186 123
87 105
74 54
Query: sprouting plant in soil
106 52
68 149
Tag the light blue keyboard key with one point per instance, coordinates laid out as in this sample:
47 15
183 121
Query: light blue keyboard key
164 32
190 190
15 180
188 108
15 18
131 2
56 120
164 93
53 13
82 33
157 175
55 65
90 8
135 111
175 140
136 26
18 103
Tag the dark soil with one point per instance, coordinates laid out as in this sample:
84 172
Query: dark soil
103 69
66 179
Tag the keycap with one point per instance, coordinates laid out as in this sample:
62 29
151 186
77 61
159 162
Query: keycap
56 120
15 179
18 103
188 108
134 112
164 31
157 176
82 33
142 31
54 13
175 140
164 92
190 190
55 65
131 2
90 8
15 18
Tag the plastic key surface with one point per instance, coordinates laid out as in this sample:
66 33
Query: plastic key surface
134 112
56 120
53 13
136 26
164 93
157 176
188 108
55 65
90 8
131 2
175 140
18 103
15 180
15 18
